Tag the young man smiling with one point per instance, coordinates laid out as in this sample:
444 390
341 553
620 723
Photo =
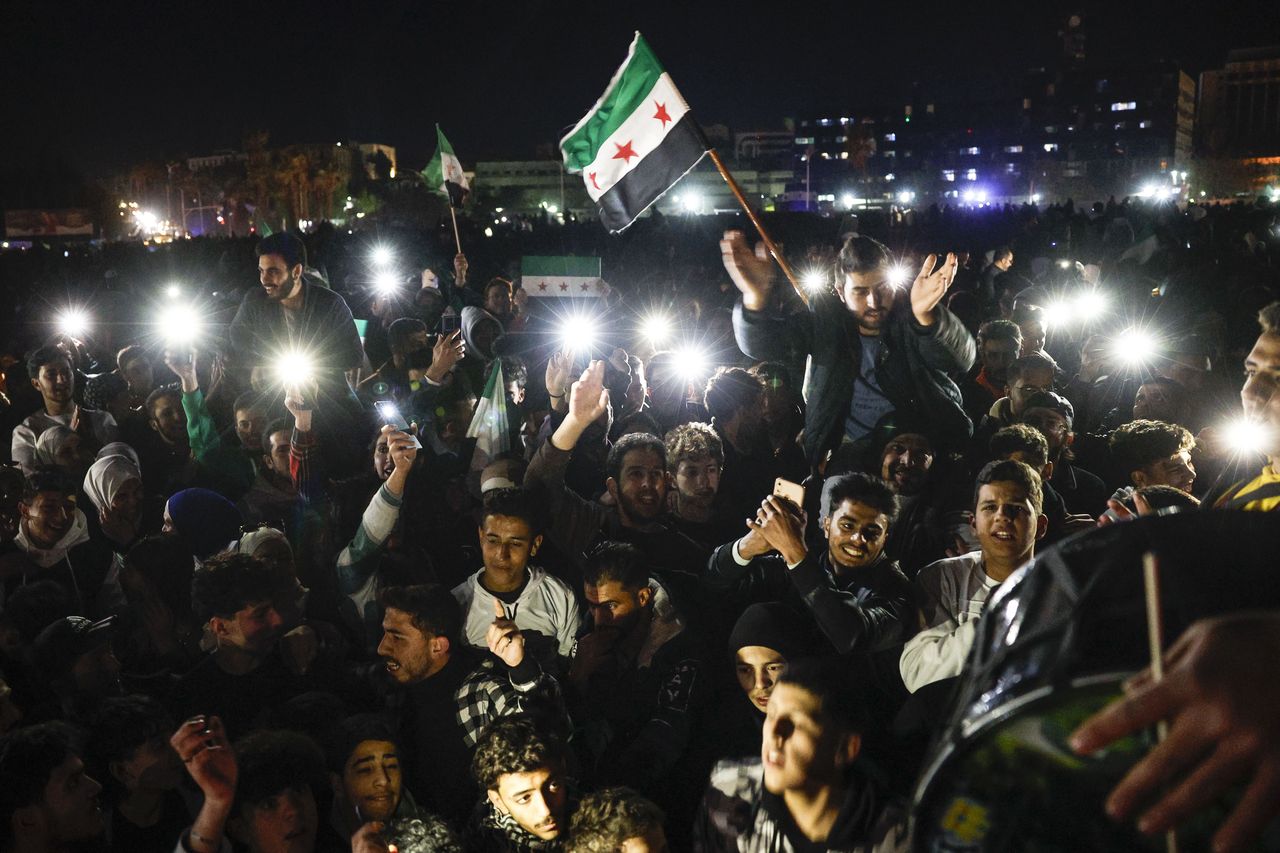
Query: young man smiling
1008 519
857 596
50 370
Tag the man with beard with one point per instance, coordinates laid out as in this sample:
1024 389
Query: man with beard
249 669
805 790
48 803
735 400
290 315
1008 520
164 450
426 662
637 482
638 680
999 343
858 598
527 806
874 350
50 370
1053 415
1261 398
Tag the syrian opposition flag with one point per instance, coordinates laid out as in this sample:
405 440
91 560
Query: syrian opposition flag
637 141
444 173
561 277
489 426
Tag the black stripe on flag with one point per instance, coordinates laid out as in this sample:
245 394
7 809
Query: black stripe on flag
679 152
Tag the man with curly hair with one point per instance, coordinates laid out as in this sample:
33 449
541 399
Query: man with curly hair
527 804
617 820
695 457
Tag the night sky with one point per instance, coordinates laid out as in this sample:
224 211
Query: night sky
105 84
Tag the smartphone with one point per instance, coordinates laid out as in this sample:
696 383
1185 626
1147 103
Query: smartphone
450 321
183 356
793 492
389 412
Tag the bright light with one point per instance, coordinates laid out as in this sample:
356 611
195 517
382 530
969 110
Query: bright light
1090 305
906 197
294 368
1248 437
578 333
381 256
148 222
813 281
173 291
847 200
1135 347
1057 314
656 328
1035 198
180 325
73 323
969 195
693 362
386 283
488 232
898 275
553 209
1064 264
692 202
1147 191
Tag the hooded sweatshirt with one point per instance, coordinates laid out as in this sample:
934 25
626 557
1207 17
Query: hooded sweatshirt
546 605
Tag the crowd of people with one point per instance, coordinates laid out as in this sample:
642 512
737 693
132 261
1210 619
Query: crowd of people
485 571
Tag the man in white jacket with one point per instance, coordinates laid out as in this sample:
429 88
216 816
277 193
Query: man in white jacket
1008 520
539 604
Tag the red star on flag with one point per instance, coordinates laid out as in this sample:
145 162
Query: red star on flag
592 176
542 286
625 152
564 286
661 115
586 287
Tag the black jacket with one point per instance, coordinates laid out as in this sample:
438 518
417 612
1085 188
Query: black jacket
326 330
912 373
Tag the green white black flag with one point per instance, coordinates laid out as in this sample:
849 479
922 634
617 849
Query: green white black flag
444 173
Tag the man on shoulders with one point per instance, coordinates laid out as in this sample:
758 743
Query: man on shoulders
50 370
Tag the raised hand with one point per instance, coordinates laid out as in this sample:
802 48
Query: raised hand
460 268
751 271
368 839
1220 696
202 744
558 376
781 523
183 368
503 638
445 354
588 398
930 286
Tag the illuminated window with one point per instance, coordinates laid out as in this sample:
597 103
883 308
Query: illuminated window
804 140
948 175
1145 123
971 175
972 151
1121 106
891 137
1013 149
1050 147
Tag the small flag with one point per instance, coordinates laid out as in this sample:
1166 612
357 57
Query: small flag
444 173
637 141
489 423
561 277
264 230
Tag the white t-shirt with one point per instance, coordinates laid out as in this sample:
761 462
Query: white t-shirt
545 606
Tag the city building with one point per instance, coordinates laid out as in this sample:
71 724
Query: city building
1237 135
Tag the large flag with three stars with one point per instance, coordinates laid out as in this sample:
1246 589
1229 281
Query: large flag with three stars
444 173
636 142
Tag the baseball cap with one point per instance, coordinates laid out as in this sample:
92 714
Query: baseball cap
56 648
1051 400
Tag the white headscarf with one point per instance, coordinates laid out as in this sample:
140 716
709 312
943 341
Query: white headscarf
119 448
105 478
50 442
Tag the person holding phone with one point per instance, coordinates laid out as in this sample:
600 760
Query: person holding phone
857 597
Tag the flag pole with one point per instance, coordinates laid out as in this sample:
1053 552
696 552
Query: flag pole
1155 646
454 216
764 235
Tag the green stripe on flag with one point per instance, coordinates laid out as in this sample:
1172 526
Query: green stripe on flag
559 267
625 94
492 381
